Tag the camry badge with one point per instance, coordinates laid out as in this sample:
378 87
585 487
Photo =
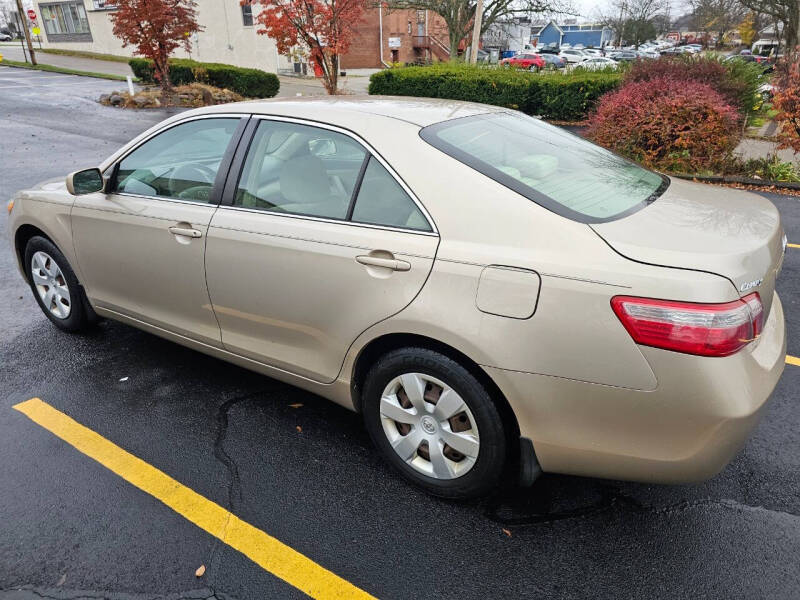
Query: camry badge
749 285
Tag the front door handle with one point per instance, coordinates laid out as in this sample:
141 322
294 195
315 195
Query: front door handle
185 231
386 263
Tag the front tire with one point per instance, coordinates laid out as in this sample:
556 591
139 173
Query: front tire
435 423
54 285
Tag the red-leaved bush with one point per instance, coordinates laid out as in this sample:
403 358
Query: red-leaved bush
706 70
787 101
667 124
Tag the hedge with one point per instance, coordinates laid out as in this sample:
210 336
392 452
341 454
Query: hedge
247 82
565 97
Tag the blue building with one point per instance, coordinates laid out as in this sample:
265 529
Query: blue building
591 35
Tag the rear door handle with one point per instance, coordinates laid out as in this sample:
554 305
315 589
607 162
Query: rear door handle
185 231
386 263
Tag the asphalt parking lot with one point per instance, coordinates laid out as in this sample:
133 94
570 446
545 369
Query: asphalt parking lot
300 472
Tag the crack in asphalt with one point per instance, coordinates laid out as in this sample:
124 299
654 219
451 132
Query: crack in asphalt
610 499
234 484
31 592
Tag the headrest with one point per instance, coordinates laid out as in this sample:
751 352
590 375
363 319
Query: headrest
304 180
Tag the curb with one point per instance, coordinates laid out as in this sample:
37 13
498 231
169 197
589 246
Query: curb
65 71
786 185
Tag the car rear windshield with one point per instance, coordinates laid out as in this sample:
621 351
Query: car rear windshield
560 171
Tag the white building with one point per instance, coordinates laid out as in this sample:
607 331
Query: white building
229 35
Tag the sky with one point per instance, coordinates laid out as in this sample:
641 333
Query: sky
589 8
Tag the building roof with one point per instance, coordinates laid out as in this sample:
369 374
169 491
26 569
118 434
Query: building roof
349 111
553 23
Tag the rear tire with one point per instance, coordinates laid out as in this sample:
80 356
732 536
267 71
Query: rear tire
445 433
55 286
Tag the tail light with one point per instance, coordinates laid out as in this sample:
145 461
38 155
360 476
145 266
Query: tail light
689 327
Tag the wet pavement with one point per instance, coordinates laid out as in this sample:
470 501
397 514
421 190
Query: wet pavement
70 528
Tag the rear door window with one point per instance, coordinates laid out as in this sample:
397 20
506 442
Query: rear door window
300 169
382 201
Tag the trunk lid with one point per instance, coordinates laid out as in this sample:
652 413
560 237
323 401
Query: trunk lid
735 234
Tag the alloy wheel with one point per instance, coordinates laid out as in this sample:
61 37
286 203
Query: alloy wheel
51 285
429 426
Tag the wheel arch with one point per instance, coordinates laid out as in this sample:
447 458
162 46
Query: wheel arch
22 236
383 344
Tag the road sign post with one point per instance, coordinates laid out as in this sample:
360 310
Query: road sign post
27 32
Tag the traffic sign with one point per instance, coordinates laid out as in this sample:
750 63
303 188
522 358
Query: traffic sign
36 31
31 14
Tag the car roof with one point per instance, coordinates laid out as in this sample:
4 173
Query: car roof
349 111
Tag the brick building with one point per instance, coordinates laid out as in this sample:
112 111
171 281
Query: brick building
406 36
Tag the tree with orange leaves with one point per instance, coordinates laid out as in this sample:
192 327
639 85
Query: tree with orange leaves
324 27
156 28
787 101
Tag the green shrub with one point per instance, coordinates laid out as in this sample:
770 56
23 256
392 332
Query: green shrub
552 95
247 82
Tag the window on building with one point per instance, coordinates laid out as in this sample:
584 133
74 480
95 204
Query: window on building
409 27
420 16
68 17
104 4
247 15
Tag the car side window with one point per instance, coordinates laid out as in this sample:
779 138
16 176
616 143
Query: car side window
180 163
382 201
300 169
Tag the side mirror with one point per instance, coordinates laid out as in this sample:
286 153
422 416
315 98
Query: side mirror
85 182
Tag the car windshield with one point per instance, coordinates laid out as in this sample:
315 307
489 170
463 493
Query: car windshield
557 170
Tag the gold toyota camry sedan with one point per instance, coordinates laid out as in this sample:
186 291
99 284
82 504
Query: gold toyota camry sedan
494 295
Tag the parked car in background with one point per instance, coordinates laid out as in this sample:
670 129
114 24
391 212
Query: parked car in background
593 52
648 54
551 48
553 61
4 37
498 296
528 60
571 55
597 63
624 56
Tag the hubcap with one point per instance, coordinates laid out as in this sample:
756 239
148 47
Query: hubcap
51 285
429 426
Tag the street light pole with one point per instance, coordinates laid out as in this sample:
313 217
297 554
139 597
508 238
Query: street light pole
22 18
476 32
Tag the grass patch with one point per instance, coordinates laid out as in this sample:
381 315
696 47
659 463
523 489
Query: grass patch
767 113
85 54
53 69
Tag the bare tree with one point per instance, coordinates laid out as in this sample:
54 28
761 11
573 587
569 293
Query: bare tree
717 16
7 10
634 20
785 12
458 14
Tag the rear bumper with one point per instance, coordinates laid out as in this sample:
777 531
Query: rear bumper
687 429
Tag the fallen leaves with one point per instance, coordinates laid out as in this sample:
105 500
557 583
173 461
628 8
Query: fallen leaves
296 405
299 429
200 571
124 378
507 532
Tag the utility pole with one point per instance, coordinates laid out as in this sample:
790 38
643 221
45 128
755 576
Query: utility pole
476 32
797 27
23 18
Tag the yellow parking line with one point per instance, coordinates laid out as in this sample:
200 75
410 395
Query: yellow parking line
264 550
793 245
792 360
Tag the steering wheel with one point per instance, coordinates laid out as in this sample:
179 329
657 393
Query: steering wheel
200 175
